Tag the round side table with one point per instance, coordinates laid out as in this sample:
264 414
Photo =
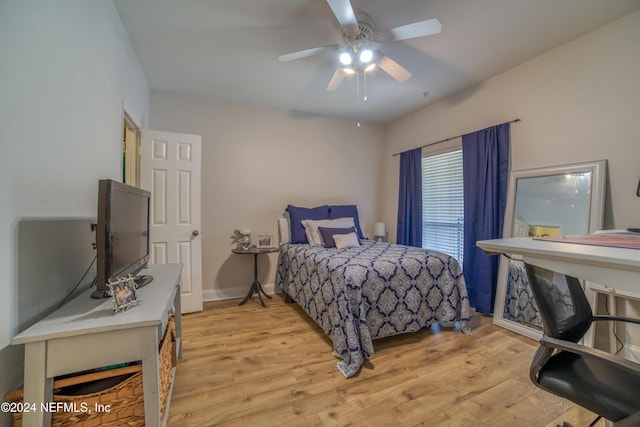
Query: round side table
256 287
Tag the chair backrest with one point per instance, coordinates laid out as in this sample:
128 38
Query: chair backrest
563 306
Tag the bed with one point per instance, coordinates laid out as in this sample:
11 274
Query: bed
370 290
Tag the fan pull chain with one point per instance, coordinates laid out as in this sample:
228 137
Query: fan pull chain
364 77
357 87
364 90
358 93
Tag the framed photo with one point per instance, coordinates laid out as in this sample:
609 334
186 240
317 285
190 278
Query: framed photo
543 230
265 241
123 294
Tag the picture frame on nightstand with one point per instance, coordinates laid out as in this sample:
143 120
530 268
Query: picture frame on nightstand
264 241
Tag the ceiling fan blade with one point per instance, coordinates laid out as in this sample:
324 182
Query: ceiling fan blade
411 31
305 53
344 14
394 69
335 81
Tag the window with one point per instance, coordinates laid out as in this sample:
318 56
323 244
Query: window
443 204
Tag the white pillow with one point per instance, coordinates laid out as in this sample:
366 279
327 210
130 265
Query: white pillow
311 228
346 240
283 230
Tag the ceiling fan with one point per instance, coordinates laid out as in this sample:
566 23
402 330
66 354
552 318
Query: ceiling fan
358 52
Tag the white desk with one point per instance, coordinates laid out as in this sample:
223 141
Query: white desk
606 270
617 269
86 334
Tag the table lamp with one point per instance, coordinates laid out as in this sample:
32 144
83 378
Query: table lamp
379 231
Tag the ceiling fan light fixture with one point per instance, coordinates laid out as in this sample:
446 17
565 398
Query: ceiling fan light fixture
357 54
345 58
366 56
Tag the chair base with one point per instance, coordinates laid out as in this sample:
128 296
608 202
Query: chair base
591 424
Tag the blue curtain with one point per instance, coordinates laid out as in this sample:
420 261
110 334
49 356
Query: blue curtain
410 199
485 157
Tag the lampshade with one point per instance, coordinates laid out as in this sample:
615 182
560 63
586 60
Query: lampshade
379 229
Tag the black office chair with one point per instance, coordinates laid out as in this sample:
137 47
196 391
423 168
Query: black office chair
600 382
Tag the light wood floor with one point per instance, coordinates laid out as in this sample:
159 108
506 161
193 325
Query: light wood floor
253 366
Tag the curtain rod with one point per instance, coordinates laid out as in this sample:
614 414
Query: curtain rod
448 139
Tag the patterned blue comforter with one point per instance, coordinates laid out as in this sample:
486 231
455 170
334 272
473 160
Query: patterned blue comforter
376 290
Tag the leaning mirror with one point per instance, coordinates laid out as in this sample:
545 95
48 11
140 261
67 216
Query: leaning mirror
559 200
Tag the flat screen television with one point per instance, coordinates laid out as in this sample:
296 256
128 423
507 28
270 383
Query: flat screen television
122 234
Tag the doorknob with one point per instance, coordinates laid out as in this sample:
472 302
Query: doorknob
195 233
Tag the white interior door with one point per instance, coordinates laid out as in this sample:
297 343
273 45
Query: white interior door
170 170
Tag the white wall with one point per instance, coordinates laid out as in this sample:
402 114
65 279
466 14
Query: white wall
255 161
578 102
66 68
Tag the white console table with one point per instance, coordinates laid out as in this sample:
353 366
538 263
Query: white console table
86 333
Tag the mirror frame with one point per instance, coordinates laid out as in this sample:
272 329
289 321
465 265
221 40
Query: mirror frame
598 171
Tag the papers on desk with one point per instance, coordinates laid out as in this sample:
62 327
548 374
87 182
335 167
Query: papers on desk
609 238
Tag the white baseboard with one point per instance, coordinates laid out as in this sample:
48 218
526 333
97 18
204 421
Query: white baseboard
235 293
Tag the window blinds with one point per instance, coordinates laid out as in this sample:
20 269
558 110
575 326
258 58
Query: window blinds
443 203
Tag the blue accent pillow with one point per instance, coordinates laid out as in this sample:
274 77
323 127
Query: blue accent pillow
328 233
297 214
346 211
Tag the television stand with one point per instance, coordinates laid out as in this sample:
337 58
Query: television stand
90 327
142 280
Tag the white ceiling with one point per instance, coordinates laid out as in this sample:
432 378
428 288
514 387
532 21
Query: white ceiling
227 50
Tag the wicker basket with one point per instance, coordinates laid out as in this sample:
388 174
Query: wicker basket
125 399
166 371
